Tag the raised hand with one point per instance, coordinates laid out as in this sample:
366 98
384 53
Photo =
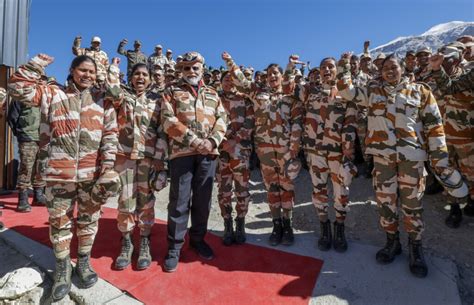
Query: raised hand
226 56
124 41
294 59
366 46
46 58
436 61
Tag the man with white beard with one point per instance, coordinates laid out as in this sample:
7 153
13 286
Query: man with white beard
195 122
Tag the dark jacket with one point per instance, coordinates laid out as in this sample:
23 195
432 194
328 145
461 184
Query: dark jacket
24 122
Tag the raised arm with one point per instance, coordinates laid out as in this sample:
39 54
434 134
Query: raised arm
76 46
447 85
121 49
241 83
113 90
344 83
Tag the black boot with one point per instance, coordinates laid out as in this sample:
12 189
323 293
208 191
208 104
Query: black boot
287 237
144 257
369 167
325 238
125 257
275 237
469 208
84 271
228 237
416 259
387 254
62 279
455 216
434 188
240 236
38 196
339 241
23 205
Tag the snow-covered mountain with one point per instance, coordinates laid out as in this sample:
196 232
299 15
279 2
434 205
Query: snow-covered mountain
434 38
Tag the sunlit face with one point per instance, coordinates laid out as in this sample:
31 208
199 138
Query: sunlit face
365 65
410 62
378 63
422 59
193 74
159 51
137 46
140 79
159 77
95 45
354 65
227 83
315 77
391 71
84 75
328 71
274 77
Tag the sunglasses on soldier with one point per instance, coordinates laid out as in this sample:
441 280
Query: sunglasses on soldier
188 68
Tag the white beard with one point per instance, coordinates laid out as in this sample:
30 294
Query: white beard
193 81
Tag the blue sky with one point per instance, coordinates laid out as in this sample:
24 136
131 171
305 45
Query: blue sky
255 32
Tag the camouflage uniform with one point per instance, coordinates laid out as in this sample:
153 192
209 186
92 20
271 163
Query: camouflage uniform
78 138
453 86
361 80
142 147
458 119
234 164
329 129
404 126
278 121
29 166
133 57
157 60
100 57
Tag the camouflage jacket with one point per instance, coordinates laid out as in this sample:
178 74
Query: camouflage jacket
329 122
278 115
240 124
157 60
78 130
457 111
133 57
448 85
188 114
3 97
100 57
140 134
404 122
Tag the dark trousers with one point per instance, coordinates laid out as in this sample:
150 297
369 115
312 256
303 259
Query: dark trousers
191 185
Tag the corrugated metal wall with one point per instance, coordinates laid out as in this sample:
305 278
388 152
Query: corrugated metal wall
14 28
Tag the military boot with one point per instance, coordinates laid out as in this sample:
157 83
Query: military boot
275 237
62 279
287 237
455 216
469 208
84 271
325 239
125 257
416 258
387 254
23 204
240 236
144 257
38 196
228 237
339 241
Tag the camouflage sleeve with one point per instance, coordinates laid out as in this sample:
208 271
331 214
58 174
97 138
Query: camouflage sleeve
161 145
24 85
109 142
114 93
220 126
171 125
76 46
244 134
350 126
347 90
433 130
288 83
3 97
106 61
296 126
241 83
121 49
452 86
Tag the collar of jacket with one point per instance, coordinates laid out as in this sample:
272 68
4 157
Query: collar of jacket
72 88
183 83
132 91
394 88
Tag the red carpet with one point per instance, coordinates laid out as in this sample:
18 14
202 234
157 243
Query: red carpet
245 274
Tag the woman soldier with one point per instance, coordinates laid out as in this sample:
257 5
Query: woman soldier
277 140
141 163
404 129
78 136
329 136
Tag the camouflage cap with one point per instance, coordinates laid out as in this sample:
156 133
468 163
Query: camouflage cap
3 94
456 44
381 56
292 168
108 185
169 51
157 180
365 56
347 171
449 51
138 42
423 50
453 182
190 59
96 39
410 52
158 46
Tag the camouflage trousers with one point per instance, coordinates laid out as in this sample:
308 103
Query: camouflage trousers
137 200
232 172
280 189
404 180
362 133
322 168
461 156
61 198
29 166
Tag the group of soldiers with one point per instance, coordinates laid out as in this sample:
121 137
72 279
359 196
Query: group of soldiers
98 137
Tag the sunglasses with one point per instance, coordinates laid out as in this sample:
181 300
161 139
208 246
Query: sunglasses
195 68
